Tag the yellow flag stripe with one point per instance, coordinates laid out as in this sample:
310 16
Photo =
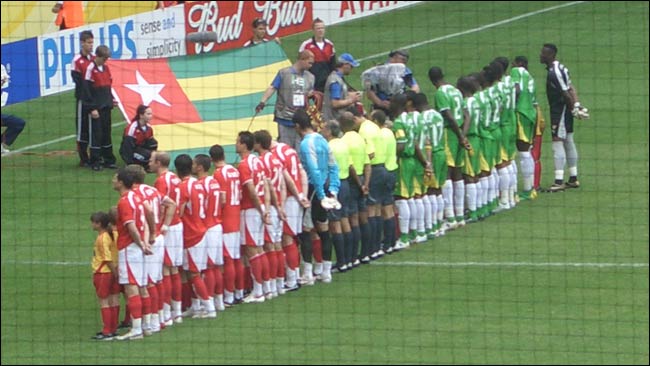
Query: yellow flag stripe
231 84
182 136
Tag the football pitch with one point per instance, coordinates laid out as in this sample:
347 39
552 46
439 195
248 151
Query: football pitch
562 279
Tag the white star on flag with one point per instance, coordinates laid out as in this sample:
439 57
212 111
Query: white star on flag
148 92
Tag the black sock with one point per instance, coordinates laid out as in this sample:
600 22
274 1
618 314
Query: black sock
337 240
356 238
326 244
347 246
389 233
305 246
365 240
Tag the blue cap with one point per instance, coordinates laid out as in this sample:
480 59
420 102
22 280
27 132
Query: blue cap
347 58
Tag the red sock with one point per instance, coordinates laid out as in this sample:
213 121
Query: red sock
135 306
187 295
166 294
317 250
177 287
146 305
153 296
266 273
293 257
161 295
199 287
229 274
218 281
279 255
115 318
107 320
240 273
208 279
273 264
256 268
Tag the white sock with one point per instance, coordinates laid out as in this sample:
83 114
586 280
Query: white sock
176 309
154 322
196 304
428 220
559 158
266 287
513 183
208 305
291 277
307 269
228 296
571 155
404 215
448 196
485 188
279 283
494 185
136 325
167 312
441 208
257 289
527 169
459 199
471 196
504 185
218 303
146 321
413 222
239 294
433 205
327 269
419 208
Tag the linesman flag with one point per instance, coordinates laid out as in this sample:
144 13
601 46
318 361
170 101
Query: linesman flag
200 100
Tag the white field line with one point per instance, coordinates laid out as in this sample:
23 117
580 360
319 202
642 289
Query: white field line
405 264
477 29
383 54
512 264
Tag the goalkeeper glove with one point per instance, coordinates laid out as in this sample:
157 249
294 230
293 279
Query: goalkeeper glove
579 111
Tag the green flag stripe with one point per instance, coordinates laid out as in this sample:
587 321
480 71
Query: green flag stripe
240 59
225 109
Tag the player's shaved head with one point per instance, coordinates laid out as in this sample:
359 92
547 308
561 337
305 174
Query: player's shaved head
162 157
347 121
435 74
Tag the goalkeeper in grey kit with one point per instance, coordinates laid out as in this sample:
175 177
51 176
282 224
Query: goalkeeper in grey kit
564 106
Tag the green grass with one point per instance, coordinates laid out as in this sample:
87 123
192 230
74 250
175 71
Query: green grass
379 313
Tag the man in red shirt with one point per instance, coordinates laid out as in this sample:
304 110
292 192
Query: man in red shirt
99 101
255 206
233 271
214 200
167 184
82 121
195 258
324 54
132 244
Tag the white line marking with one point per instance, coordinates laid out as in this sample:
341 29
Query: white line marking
383 54
64 138
478 29
511 264
406 264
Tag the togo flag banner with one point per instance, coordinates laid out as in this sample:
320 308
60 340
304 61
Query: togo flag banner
200 100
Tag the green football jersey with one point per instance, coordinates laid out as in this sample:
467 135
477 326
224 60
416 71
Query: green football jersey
509 94
495 99
474 111
485 117
447 97
432 130
405 129
526 101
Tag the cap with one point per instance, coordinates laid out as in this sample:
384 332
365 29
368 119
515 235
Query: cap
347 58
258 21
